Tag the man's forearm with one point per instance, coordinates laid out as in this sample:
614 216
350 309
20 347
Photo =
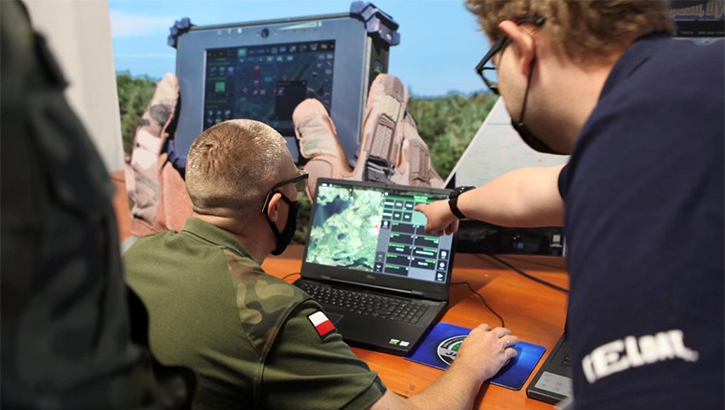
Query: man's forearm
456 389
527 197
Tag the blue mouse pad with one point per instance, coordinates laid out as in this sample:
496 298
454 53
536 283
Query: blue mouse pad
440 347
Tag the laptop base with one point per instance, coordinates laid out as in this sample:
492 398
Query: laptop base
552 383
389 335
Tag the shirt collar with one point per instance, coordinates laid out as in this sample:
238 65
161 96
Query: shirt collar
632 58
217 236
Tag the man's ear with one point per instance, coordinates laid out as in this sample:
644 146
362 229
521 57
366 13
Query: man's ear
273 207
522 43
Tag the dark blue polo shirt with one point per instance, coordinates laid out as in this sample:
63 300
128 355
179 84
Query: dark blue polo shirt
644 222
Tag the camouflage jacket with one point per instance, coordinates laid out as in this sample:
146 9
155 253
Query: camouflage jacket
66 334
247 335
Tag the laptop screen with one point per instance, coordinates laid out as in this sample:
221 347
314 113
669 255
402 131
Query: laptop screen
373 228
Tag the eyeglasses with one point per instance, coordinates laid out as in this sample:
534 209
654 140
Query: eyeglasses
300 182
486 69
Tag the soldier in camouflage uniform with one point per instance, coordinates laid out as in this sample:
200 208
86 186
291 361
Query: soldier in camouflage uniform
256 341
65 316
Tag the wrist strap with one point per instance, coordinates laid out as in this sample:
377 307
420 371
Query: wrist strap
453 204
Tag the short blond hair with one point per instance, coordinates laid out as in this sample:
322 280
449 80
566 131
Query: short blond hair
586 30
231 166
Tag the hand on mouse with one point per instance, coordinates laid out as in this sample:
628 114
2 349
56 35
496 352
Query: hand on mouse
486 350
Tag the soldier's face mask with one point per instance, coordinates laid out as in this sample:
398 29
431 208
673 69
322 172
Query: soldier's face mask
285 237
531 139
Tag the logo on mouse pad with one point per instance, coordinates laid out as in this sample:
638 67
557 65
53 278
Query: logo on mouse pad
448 349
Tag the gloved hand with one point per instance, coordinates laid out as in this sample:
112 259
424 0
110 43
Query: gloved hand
156 189
391 150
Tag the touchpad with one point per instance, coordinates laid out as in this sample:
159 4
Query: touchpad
334 317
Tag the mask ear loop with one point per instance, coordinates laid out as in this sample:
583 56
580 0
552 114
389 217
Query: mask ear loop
526 95
533 142
265 210
538 21
277 234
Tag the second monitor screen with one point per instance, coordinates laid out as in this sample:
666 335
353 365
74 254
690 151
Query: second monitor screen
266 83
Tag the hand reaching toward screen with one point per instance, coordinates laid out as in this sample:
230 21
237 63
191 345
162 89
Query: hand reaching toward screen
440 218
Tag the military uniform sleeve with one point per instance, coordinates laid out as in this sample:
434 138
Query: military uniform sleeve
304 370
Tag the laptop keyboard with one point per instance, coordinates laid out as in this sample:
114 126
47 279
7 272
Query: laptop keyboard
398 310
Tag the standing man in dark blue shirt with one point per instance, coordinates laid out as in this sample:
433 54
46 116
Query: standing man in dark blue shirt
641 199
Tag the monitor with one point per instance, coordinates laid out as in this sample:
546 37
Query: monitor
261 70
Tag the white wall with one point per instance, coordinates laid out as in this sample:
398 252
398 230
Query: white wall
79 35
497 149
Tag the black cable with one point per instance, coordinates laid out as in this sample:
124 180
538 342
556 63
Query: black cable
511 257
291 274
503 324
526 275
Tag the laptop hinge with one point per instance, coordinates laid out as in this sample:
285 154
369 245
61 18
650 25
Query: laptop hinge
367 285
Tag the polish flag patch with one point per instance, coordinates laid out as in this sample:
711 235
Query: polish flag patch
322 324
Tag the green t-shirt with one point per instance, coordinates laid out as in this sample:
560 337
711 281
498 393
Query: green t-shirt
247 335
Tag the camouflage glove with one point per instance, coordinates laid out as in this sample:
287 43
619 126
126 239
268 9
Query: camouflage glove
156 190
391 150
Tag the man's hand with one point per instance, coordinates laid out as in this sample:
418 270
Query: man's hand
440 218
486 350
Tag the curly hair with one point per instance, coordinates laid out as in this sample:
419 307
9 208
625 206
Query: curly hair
584 29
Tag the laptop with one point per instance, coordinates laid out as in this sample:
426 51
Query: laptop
552 383
368 261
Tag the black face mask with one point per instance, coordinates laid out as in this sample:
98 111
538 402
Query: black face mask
529 137
285 237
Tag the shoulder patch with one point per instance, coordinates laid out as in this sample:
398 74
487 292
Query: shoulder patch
323 326
263 301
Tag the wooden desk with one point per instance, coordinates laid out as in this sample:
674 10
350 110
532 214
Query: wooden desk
533 312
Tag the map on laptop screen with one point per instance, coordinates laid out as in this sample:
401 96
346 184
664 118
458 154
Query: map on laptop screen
376 230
